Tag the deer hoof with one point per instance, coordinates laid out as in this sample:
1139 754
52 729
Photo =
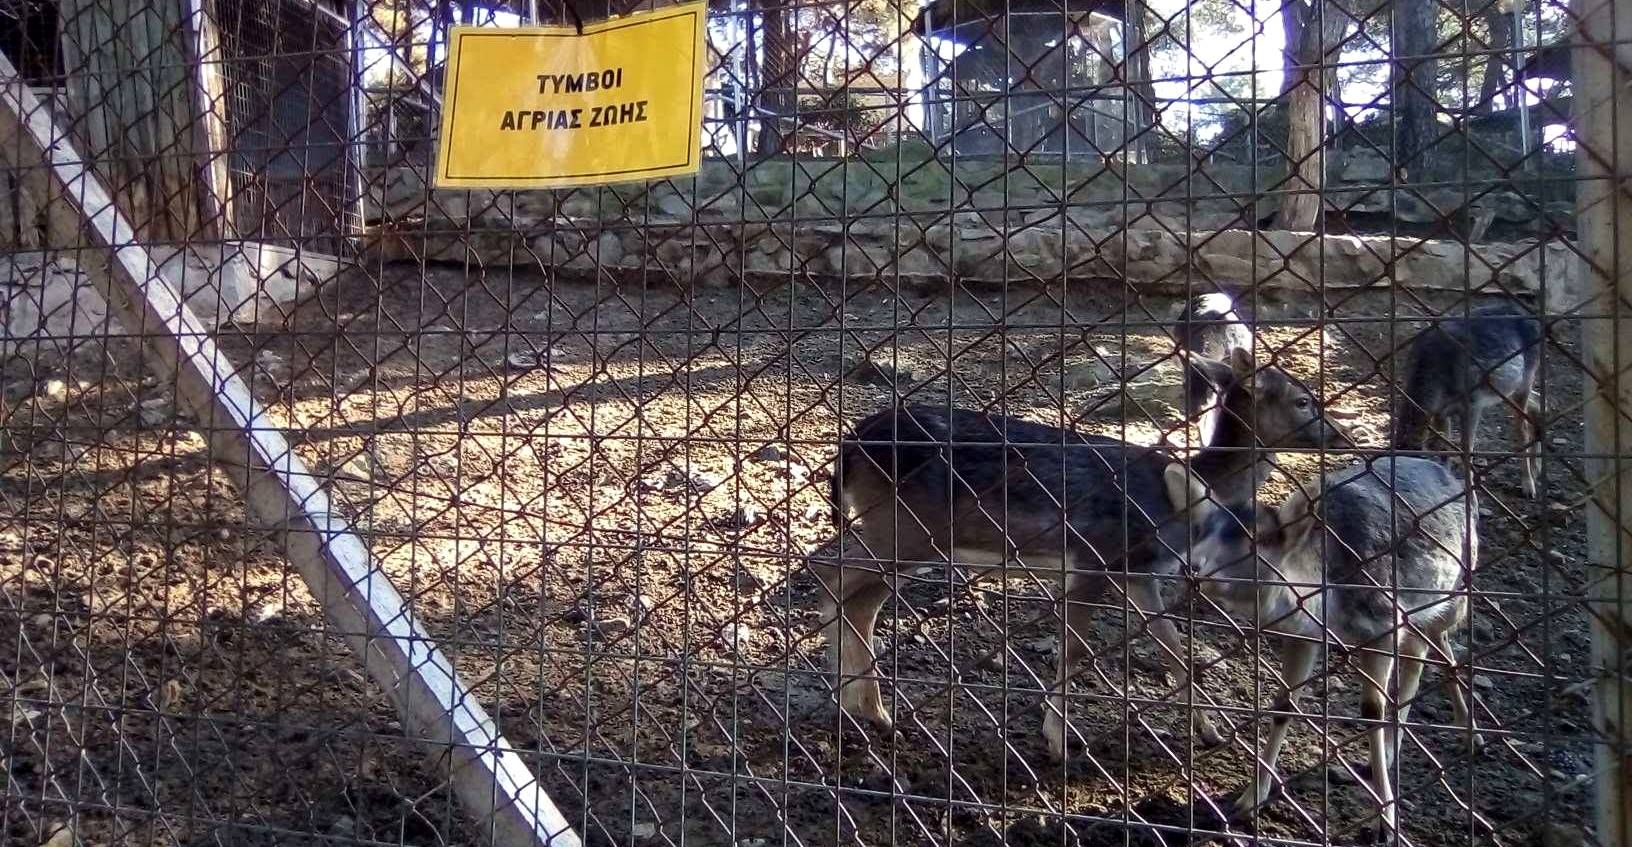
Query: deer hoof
1054 735
1250 800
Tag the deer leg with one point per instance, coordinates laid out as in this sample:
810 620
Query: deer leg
1412 652
1297 664
1527 420
1438 438
1073 648
1146 595
850 604
1470 426
1376 666
1460 714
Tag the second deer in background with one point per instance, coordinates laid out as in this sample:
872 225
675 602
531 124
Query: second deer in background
1460 367
1208 326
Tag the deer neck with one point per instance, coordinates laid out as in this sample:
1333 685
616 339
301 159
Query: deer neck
1233 474
1270 586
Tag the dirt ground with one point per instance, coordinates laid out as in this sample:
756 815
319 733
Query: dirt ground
601 499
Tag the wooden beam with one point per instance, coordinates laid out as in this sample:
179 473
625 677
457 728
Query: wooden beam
1603 68
209 87
497 789
127 67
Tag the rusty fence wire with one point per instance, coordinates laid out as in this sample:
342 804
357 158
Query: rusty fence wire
1020 397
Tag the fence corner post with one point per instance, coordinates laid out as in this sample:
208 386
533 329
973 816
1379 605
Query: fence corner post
1603 124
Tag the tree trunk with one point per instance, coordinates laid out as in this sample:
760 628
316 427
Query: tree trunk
134 105
1313 76
1140 87
1293 13
776 79
1416 35
1501 42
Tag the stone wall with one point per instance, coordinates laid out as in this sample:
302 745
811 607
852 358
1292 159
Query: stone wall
922 221
971 250
49 305
1202 196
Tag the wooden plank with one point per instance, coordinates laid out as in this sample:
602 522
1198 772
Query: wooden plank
1603 65
211 93
496 787
133 107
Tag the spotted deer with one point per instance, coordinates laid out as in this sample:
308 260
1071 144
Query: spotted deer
932 485
1374 561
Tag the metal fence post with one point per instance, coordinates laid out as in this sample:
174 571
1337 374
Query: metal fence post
1604 135
359 600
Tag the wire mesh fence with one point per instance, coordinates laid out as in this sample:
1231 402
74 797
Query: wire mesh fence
1019 399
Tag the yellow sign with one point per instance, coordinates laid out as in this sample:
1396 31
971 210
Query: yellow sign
546 107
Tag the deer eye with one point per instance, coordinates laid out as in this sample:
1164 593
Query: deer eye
1302 403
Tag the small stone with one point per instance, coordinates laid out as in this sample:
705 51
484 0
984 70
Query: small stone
155 411
644 603
1084 376
1482 682
869 372
1565 658
644 831
1044 646
342 825
674 206
270 363
1560 441
62 837
1557 557
994 662
55 389
745 516
612 626
525 360
41 621
266 614
677 479
753 842
770 453
608 249
223 534
737 636
359 468
1364 166
938 608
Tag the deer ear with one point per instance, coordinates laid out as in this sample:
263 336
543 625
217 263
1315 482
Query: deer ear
1212 371
1241 364
1295 519
1186 491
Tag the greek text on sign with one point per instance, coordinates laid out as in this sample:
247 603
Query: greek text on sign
546 107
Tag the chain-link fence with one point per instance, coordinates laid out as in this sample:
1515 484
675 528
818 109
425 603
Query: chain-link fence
1021 397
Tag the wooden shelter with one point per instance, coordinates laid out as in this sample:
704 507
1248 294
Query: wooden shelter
1037 78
